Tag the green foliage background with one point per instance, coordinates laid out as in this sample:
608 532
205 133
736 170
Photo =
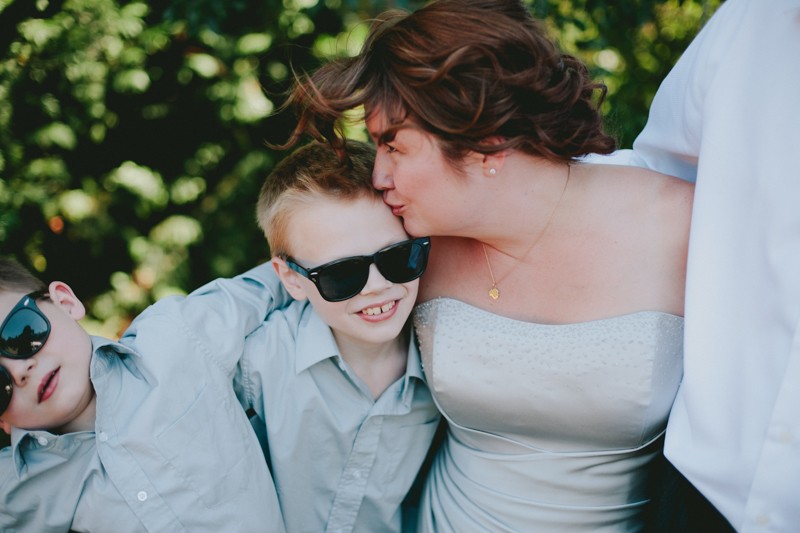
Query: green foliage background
132 133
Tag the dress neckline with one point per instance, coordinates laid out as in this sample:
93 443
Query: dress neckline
585 322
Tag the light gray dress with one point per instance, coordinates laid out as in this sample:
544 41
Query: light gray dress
551 426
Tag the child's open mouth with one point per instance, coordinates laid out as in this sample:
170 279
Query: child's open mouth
381 309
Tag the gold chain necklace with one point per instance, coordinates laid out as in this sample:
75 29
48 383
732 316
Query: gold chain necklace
494 292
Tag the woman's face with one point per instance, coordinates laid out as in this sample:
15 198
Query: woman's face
418 183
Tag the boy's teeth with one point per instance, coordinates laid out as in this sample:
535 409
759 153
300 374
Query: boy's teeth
378 310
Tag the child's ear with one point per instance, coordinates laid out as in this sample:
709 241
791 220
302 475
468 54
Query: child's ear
62 296
5 426
289 278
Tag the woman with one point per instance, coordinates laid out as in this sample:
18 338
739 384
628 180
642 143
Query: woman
550 318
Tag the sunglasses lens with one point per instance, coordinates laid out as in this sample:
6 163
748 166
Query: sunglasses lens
6 388
403 263
343 280
24 333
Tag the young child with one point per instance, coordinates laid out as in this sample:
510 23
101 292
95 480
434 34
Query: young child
144 434
335 378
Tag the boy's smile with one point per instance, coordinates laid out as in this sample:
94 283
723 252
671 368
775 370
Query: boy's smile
328 230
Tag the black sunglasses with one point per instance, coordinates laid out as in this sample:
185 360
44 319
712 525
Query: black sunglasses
22 335
344 278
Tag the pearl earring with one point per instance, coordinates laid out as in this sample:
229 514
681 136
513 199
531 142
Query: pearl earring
492 171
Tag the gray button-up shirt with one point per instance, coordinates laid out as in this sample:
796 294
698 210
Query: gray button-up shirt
172 448
341 461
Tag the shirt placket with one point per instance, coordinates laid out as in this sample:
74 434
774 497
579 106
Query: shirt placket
353 482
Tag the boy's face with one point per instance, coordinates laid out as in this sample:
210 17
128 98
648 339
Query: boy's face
326 230
51 389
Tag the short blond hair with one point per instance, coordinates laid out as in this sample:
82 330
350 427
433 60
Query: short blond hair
312 172
16 278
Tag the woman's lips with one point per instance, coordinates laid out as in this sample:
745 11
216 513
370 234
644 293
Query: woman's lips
48 385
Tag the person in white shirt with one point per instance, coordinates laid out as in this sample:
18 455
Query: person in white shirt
728 117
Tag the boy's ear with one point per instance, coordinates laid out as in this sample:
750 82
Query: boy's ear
5 426
289 278
62 296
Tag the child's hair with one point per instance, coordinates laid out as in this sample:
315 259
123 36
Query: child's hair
16 278
309 173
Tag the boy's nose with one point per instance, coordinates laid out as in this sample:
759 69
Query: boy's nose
19 369
375 282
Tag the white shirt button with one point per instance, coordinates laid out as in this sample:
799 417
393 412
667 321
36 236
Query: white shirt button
762 519
357 475
102 436
785 437
142 496
42 441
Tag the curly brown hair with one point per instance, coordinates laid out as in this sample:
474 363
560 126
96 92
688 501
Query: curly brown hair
464 71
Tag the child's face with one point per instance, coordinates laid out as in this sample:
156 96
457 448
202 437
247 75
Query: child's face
327 230
51 389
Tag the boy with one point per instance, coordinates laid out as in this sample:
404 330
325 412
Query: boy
144 434
335 378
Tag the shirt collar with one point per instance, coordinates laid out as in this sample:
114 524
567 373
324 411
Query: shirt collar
315 340
315 343
413 367
57 448
106 347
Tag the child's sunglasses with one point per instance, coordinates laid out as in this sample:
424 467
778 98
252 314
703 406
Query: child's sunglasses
344 278
22 335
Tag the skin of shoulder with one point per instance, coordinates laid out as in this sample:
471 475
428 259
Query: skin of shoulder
620 245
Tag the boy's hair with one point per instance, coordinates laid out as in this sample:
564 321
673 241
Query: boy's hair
312 172
16 278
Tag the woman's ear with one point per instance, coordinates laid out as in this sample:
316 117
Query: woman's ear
62 296
492 164
289 278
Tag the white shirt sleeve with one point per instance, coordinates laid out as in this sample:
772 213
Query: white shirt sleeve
728 116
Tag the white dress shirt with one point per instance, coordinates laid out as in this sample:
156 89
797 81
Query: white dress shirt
728 116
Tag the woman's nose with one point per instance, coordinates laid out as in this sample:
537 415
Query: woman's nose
381 175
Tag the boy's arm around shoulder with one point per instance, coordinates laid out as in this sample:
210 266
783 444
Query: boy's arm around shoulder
218 315
247 299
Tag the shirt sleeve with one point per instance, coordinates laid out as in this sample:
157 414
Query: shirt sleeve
672 138
217 316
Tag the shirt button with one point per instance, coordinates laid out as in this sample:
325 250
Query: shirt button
42 441
785 437
102 436
762 519
142 496
357 474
